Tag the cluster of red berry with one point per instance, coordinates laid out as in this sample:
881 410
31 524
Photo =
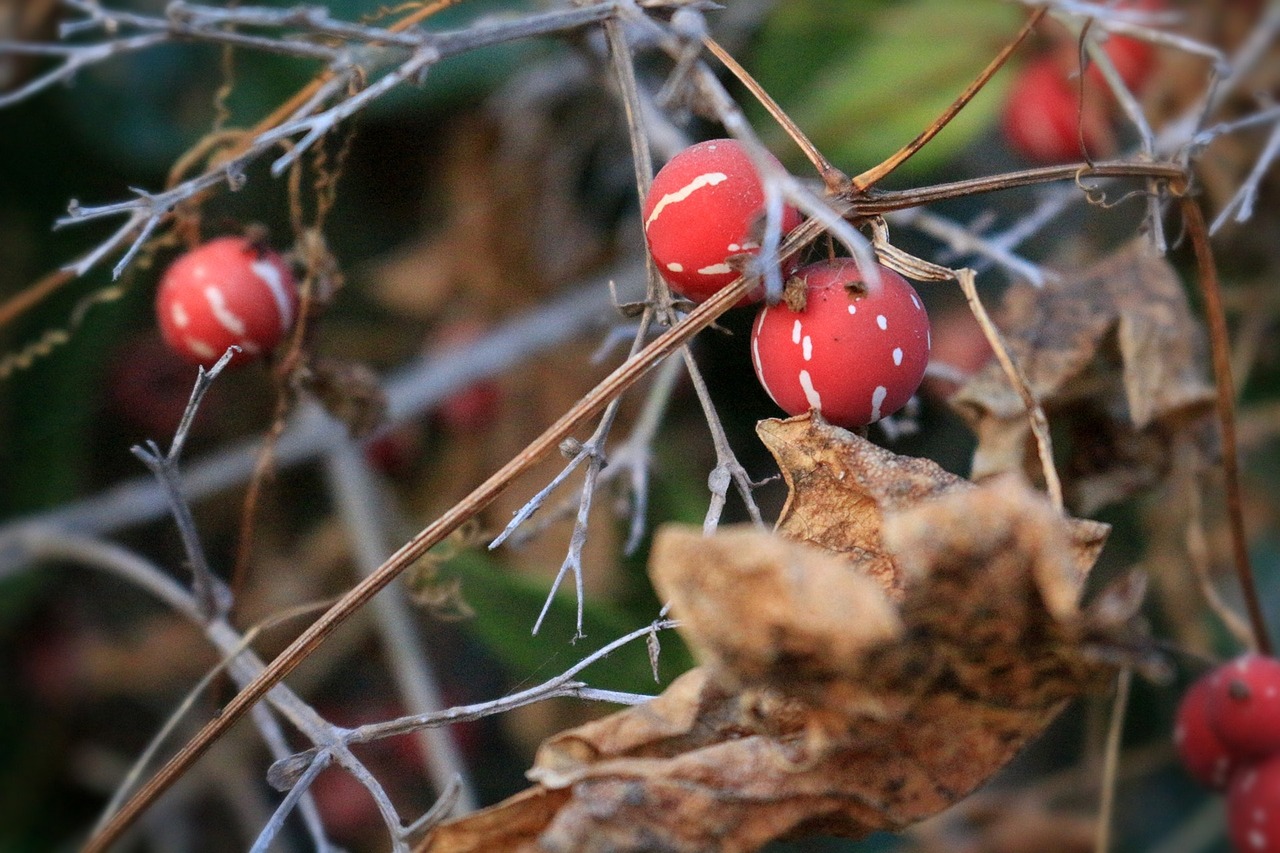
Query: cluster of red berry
1227 732
856 351
1044 118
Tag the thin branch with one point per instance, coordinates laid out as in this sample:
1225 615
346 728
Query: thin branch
210 592
1111 761
1216 318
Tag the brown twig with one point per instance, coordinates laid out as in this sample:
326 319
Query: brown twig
1111 761
1219 343
833 178
875 174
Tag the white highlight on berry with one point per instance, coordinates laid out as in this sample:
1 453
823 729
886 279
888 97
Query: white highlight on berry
179 314
853 309
810 393
226 318
674 267
897 356
755 357
710 179
916 302
877 400
734 247
201 349
795 333
928 339
808 348
716 269
271 277
1257 840
882 322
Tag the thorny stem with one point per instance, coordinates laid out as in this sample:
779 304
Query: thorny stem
1216 318
297 651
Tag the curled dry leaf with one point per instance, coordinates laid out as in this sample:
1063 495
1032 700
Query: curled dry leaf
842 487
1117 360
823 704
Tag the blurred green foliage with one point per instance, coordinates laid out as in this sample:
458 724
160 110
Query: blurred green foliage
864 78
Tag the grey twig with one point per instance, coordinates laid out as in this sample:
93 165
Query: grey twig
212 594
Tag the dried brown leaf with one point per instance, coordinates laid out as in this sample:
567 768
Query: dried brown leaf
1116 358
840 487
895 723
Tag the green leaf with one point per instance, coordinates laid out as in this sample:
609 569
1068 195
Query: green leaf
876 89
506 606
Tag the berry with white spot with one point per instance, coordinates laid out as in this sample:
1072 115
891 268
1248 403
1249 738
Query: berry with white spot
1253 808
226 291
705 206
1201 750
855 353
1244 706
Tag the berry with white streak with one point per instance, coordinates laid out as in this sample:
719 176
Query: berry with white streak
855 353
1253 808
224 292
1203 755
705 206
1244 706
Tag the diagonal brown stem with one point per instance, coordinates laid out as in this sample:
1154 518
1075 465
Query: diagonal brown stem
1218 340
877 173
590 405
832 177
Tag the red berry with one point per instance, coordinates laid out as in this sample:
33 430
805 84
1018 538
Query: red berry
853 356
1042 119
1133 58
1253 808
1198 745
227 291
704 207
1244 706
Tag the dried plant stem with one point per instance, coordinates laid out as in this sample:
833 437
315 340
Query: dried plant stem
832 177
1198 556
1219 342
875 174
1111 761
297 651
1035 412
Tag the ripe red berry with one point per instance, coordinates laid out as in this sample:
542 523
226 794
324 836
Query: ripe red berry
1201 750
705 206
1253 808
1043 121
853 356
1244 706
227 291
1133 58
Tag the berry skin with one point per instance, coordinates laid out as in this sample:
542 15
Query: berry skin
705 206
226 291
854 357
1253 808
1042 119
1201 750
1244 706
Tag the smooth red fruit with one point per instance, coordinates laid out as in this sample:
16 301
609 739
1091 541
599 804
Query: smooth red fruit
1042 119
1203 754
1133 58
1253 808
1244 706
855 357
705 206
227 291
